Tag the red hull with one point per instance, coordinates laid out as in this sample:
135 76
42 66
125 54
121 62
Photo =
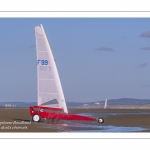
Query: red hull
59 116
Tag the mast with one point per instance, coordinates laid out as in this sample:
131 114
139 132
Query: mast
49 88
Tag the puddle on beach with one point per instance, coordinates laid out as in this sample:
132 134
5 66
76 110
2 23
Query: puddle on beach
87 128
113 114
68 126
114 129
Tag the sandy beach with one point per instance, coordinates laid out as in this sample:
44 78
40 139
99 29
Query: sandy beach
19 120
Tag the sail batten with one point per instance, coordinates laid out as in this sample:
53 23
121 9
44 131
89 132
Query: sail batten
45 79
48 82
48 93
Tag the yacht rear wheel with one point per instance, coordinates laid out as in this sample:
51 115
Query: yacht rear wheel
36 118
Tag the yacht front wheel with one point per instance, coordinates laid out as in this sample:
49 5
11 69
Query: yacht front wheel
100 120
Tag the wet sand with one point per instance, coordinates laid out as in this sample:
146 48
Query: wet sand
19 120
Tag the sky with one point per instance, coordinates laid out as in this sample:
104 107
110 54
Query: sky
97 58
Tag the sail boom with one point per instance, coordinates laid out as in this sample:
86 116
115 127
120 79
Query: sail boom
48 108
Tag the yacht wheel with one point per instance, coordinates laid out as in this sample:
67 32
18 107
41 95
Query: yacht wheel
100 120
36 118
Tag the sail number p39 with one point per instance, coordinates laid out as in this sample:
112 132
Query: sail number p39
43 62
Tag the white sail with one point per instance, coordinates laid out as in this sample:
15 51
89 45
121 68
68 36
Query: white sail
49 91
105 106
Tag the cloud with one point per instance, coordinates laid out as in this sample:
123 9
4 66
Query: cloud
145 34
146 85
143 65
124 37
31 46
146 48
104 49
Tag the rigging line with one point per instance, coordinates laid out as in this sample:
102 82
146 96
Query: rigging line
94 122
87 109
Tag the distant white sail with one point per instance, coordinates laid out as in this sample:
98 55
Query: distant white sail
105 106
49 91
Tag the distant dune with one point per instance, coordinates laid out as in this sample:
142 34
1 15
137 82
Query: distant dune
113 103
